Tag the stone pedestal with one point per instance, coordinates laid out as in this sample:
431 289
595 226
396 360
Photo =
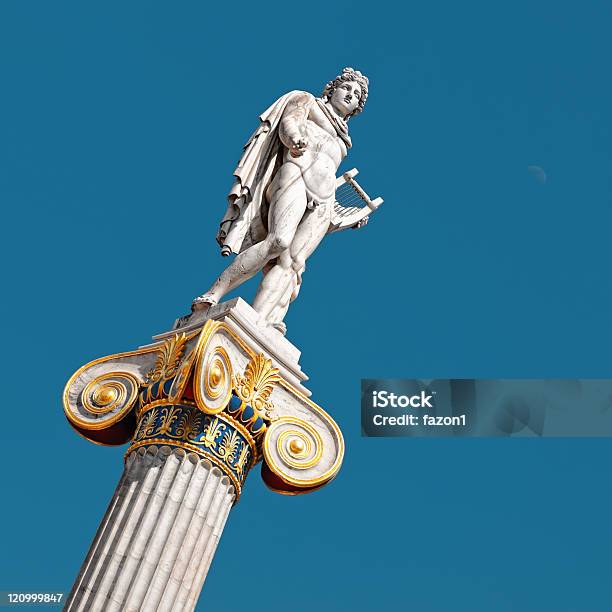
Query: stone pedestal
200 406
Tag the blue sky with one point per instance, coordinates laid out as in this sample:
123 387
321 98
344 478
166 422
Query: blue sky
121 124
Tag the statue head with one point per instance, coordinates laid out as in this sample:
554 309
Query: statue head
348 92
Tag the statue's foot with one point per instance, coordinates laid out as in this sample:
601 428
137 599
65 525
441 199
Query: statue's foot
280 326
202 303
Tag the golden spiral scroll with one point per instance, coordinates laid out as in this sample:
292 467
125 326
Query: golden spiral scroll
105 400
213 380
299 447
294 450
182 377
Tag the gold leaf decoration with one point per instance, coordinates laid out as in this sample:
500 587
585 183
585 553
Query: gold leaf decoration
229 446
168 359
168 416
242 459
255 387
148 425
189 425
213 430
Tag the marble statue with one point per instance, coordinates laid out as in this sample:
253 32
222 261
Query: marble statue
283 200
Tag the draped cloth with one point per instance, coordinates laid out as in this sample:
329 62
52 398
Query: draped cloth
245 221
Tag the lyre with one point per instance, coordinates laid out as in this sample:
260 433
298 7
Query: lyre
349 207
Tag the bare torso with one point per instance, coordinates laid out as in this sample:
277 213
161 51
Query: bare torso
318 159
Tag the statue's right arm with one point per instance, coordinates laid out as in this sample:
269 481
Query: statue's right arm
291 129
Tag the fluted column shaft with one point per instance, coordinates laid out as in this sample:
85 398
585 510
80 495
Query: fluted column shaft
155 543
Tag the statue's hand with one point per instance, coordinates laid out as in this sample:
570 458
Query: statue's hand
298 146
361 223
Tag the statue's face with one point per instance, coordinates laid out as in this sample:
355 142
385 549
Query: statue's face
345 97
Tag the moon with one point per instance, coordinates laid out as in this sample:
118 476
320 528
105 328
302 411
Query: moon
538 173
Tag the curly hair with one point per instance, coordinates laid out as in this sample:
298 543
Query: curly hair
349 74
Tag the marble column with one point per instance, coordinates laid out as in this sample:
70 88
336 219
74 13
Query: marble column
155 543
199 407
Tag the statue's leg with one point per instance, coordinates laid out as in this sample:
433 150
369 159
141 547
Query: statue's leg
287 196
275 318
273 285
308 236
283 287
